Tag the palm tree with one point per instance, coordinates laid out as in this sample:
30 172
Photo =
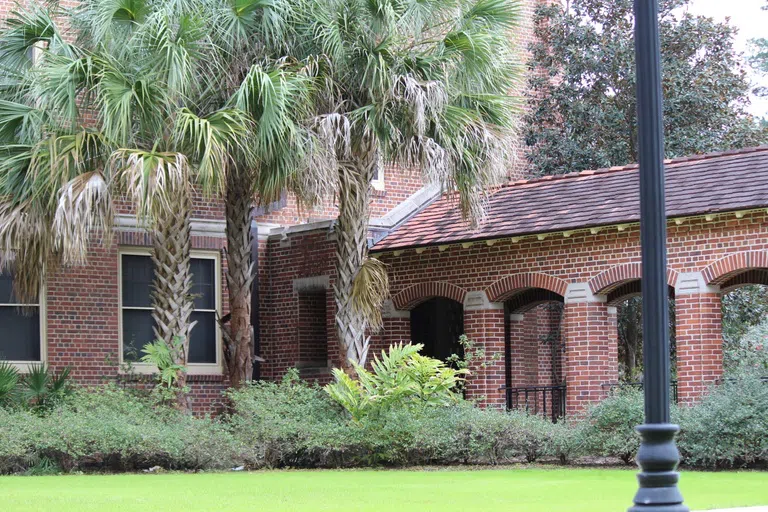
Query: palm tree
423 84
168 97
104 116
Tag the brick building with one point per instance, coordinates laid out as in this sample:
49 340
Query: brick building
535 285
552 260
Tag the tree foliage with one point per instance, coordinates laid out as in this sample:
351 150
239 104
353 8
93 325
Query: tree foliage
420 84
582 86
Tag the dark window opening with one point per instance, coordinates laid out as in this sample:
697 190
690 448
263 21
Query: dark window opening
20 337
313 329
437 324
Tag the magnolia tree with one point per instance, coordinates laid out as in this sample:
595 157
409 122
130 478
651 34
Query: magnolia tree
582 86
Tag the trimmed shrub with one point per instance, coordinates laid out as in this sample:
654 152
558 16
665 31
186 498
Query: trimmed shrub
729 427
610 425
531 436
114 430
566 441
290 423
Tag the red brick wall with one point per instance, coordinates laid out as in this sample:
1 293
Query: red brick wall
282 262
82 319
399 185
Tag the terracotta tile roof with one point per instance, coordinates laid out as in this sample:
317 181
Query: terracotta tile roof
716 182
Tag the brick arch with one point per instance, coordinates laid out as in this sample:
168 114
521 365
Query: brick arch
608 280
728 267
529 299
415 294
508 286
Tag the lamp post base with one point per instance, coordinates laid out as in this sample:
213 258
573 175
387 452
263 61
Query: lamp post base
658 458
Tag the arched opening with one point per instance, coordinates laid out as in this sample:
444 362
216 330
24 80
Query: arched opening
627 299
437 323
535 352
744 302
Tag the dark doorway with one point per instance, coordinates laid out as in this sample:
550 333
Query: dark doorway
437 324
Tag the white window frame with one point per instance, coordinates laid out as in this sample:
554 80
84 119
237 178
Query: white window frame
216 368
378 181
26 366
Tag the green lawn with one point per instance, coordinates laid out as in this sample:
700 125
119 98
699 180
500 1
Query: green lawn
544 490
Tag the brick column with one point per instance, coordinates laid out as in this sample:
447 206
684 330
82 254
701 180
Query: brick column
484 324
699 336
396 329
591 347
516 354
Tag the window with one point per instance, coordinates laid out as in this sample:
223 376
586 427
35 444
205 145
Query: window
21 327
378 178
137 326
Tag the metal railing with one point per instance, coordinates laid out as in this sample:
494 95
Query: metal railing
547 401
610 386
720 381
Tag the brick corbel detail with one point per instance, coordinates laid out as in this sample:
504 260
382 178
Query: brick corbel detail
414 295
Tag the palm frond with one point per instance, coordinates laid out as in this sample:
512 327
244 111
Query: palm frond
63 84
20 122
153 180
27 27
494 14
26 242
214 142
276 99
257 21
85 206
178 46
130 105
370 288
111 22
9 379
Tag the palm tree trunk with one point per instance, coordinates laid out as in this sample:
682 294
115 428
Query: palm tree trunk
171 297
351 251
238 335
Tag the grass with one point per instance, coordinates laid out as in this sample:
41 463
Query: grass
541 490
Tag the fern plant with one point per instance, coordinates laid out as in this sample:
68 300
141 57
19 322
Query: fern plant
401 377
161 355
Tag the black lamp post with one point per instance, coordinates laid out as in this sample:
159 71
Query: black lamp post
658 456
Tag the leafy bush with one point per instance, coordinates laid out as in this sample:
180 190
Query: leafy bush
112 429
610 425
749 353
729 427
566 441
531 435
288 423
402 378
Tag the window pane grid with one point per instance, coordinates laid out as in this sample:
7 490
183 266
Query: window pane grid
138 274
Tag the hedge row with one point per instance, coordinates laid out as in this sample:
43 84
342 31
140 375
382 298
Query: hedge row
291 424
